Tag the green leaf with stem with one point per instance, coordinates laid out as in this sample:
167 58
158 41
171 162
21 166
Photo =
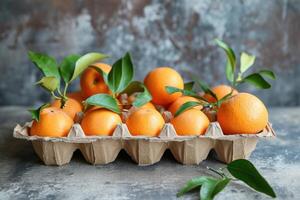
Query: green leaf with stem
85 61
246 61
245 171
257 80
105 101
267 73
67 67
186 106
50 83
189 85
45 63
121 74
35 113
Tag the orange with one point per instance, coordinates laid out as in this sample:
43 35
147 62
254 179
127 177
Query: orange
92 82
148 105
53 123
180 101
190 122
72 107
156 82
146 122
76 95
244 113
100 122
220 91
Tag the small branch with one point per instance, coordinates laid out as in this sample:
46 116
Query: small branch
65 90
55 97
216 171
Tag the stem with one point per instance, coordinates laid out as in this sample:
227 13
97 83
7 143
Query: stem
59 92
64 98
216 171
65 90
55 97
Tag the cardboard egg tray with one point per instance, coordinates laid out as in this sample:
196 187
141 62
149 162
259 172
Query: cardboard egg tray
143 150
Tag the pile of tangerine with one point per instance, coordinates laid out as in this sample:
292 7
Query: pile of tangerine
242 113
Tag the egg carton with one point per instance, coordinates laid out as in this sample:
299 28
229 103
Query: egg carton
143 150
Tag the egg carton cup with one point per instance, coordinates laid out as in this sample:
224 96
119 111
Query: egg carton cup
143 150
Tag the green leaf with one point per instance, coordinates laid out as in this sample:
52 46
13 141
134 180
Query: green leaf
85 61
229 73
211 187
103 100
189 85
121 74
192 184
207 189
247 61
142 98
186 106
220 185
46 64
50 83
35 113
133 87
206 89
267 73
257 80
67 67
230 66
245 171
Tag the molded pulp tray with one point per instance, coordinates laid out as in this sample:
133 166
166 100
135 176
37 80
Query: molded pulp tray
143 150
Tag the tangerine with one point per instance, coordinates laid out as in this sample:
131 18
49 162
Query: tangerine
100 122
244 113
53 122
146 122
91 81
156 82
190 122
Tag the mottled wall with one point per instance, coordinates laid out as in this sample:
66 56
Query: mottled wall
174 33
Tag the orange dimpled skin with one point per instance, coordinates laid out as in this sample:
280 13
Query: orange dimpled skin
100 122
71 108
180 101
190 122
53 123
242 114
156 82
145 122
91 81
220 91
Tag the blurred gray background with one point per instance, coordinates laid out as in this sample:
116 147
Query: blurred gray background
157 33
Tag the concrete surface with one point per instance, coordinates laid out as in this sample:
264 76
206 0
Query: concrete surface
23 176
174 33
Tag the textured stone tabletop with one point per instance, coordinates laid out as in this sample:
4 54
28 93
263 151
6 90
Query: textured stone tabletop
23 176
